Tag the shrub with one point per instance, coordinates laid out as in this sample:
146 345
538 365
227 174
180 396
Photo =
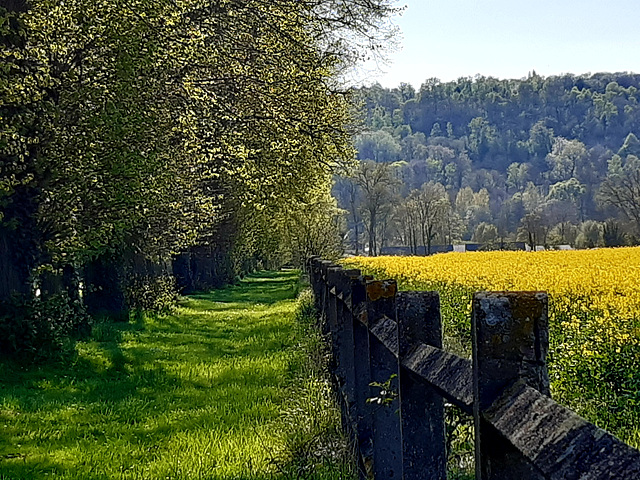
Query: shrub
151 294
36 329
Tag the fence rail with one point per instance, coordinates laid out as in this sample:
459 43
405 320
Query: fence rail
379 335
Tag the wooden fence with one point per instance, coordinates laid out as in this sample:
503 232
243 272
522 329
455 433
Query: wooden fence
378 334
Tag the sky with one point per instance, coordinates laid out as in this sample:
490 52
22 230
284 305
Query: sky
448 39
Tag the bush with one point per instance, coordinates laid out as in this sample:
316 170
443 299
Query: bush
153 294
35 329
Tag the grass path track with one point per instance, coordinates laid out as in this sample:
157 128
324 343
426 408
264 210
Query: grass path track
195 395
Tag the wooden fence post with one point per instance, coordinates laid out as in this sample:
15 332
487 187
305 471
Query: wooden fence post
346 360
424 455
324 300
387 445
362 411
510 343
315 279
341 331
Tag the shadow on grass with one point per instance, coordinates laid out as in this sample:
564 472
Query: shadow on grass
139 397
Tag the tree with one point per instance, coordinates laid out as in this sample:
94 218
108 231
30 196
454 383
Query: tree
482 135
472 208
540 140
407 217
379 146
589 235
23 101
631 146
622 190
533 229
485 233
566 158
518 176
431 205
563 233
148 128
377 182
568 192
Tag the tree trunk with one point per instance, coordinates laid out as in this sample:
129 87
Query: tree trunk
71 281
372 234
19 244
356 235
182 272
14 273
104 292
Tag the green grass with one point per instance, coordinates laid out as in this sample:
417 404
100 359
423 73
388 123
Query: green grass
222 389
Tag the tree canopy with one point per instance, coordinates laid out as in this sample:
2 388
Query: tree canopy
145 128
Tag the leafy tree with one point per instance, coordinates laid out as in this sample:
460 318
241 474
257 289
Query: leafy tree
24 100
485 233
568 191
589 235
533 229
631 146
566 158
540 140
518 176
146 128
379 146
482 136
563 233
613 234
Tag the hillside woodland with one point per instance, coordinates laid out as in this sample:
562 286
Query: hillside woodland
548 161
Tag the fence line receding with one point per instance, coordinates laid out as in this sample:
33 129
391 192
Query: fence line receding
390 338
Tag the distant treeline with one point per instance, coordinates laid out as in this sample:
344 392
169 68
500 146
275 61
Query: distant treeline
533 159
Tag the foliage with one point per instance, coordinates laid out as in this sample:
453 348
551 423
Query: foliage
561 149
387 392
145 128
153 294
41 329
594 317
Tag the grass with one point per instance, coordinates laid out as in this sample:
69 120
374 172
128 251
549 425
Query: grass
222 389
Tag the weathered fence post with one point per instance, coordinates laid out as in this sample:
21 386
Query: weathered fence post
342 356
362 411
324 300
315 279
346 362
510 343
424 453
381 312
333 312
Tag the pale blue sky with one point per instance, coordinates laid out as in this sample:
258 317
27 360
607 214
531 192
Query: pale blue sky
448 39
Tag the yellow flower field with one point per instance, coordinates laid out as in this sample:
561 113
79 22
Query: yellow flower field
594 315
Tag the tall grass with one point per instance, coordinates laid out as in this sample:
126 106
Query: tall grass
221 389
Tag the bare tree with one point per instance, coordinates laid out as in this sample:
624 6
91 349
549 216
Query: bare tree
623 193
377 183
432 205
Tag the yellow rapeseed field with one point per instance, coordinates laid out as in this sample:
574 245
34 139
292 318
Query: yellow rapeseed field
594 316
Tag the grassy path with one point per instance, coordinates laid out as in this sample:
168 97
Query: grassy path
201 394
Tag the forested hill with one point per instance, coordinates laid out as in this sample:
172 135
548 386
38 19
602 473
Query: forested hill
534 146
505 121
